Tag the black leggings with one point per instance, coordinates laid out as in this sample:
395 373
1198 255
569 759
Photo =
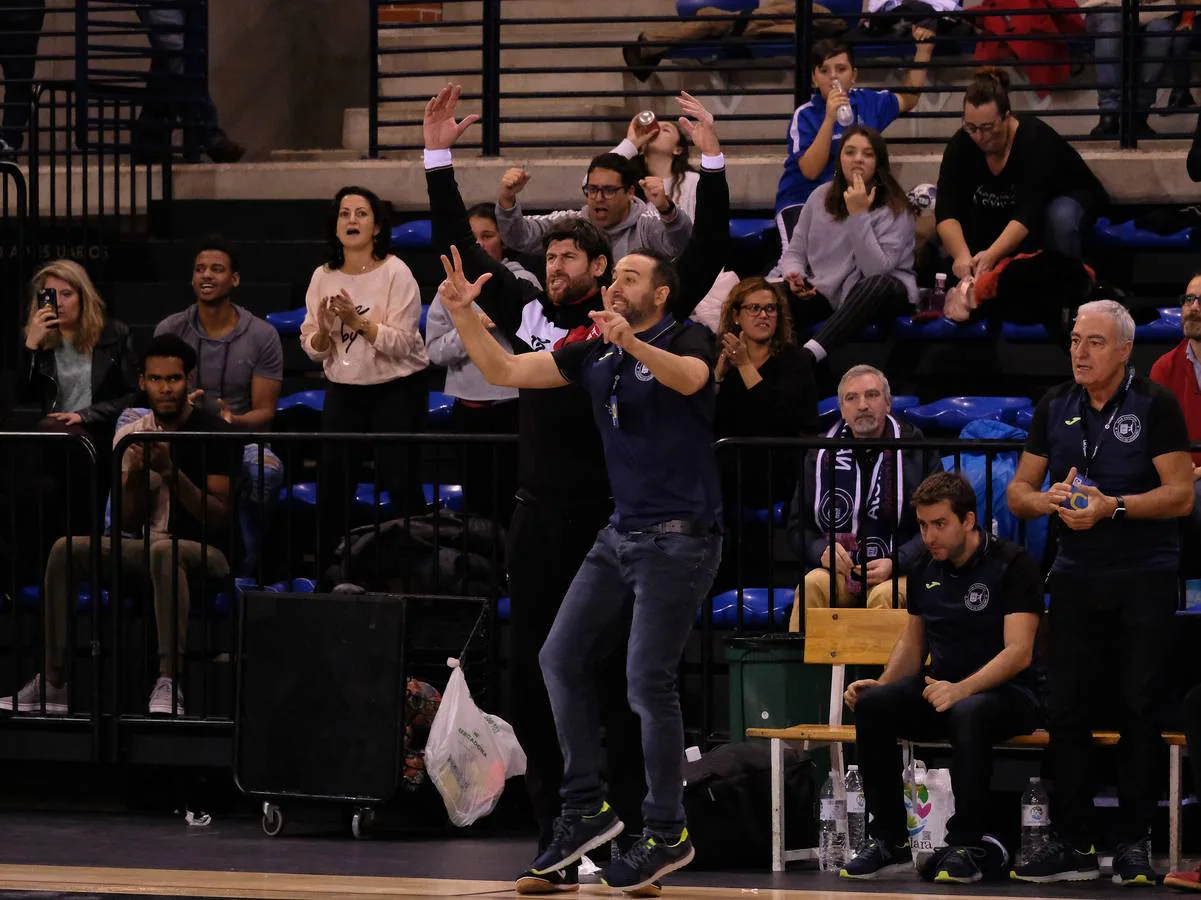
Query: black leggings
877 298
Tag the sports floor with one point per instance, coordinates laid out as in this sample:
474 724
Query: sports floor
50 855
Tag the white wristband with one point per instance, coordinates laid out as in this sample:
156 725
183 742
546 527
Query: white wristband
438 159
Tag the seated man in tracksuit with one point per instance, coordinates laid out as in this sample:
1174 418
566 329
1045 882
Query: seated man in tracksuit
975 602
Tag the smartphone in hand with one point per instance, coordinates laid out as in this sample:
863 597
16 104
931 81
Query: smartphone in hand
49 297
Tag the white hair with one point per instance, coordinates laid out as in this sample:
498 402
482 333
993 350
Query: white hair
864 369
1121 317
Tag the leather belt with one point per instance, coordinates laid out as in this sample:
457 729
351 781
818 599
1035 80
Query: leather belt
677 526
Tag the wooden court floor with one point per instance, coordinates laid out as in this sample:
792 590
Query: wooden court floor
64 881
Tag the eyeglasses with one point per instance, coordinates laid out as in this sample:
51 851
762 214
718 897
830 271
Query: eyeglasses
608 191
1186 299
986 128
760 309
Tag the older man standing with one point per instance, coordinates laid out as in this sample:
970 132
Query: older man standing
1116 448
863 497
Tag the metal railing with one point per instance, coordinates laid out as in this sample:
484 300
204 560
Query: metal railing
16 239
562 82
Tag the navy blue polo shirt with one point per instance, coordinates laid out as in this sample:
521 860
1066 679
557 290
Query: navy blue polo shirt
659 452
876 109
1145 422
963 609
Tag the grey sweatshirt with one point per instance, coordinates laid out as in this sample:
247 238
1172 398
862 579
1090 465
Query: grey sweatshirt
641 228
835 256
225 366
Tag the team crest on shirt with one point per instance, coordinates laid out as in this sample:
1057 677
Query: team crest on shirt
642 373
976 597
1127 428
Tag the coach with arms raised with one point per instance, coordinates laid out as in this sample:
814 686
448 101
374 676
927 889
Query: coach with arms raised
1116 448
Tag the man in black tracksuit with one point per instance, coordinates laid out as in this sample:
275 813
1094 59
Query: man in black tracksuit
975 603
563 490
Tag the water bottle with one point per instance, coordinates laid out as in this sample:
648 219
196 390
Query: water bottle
856 812
938 297
1036 820
832 841
844 114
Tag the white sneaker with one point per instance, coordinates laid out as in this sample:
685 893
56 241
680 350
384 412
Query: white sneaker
160 698
29 698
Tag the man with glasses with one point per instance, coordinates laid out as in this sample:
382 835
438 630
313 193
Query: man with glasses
1179 370
610 204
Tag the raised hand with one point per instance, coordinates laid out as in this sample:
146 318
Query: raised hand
652 186
342 306
858 198
456 292
614 328
697 124
43 321
733 349
638 135
438 126
511 184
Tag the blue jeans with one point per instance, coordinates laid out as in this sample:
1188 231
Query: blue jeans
1160 41
172 96
1065 216
656 582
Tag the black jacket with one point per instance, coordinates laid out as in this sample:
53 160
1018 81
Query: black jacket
114 377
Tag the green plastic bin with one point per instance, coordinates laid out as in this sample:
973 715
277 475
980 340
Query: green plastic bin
770 685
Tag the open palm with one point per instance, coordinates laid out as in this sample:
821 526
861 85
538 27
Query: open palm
438 126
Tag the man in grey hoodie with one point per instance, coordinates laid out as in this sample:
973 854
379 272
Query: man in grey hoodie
239 370
628 222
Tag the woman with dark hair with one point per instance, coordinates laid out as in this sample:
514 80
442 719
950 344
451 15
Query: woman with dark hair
1009 183
662 150
361 324
765 388
851 254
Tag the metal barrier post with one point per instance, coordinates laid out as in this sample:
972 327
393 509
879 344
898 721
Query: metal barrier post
802 41
1128 111
490 102
373 88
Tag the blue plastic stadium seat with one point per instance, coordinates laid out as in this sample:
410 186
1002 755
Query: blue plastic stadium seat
755 601
310 400
952 413
440 406
415 235
1128 235
827 410
1165 329
503 608
30 597
687 9
871 333
449 495
305 494
302 494
1024 418
298 586
939 330
286 322
758 515
751 232
1024 334
425 314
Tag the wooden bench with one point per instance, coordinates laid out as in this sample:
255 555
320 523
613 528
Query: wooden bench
842 637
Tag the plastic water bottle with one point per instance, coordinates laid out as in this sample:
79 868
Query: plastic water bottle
844 114
832 840
938 297
1036 820
856 812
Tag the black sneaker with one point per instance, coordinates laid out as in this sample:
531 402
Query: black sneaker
651 857
877 858
1056 861
1132 865
958 865
564 880
575 835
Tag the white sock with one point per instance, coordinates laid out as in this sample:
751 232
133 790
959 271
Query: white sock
818 351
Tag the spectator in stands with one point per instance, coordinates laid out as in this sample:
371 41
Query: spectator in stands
771 19
1179 370
20 28
1159 42
80 365
815 133
974 611
765 388
662 150
239 370
611 206
361 323
1009 183
175 93
1116 448
850 260
564 496
850 521
480 408
169 489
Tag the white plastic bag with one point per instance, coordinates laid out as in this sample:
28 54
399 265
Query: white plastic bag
929 804
469 754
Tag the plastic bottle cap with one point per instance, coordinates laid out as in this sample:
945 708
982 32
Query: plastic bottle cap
852 768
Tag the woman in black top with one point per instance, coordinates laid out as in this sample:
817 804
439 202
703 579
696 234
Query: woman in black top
766 388
1009 183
